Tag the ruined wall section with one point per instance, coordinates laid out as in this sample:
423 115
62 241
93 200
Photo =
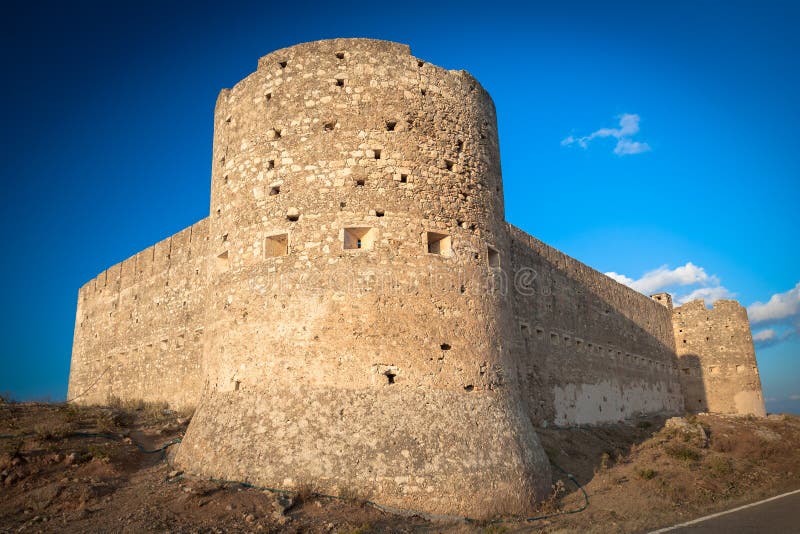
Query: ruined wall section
355 193
717 359
592 350
139 325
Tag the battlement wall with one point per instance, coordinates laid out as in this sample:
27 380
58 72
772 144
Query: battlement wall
717 359
593 350
139 324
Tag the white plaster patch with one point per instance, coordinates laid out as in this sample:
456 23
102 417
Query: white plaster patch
607 401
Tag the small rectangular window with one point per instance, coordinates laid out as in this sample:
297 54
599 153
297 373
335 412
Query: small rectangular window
439 244
494 257
359 238
222 261
277 245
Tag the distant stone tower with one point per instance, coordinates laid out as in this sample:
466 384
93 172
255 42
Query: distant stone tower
665 299
333 347
716 358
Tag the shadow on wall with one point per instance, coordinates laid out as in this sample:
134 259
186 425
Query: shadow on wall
693 382
590 350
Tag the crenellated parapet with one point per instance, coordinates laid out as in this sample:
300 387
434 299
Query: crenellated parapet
139 324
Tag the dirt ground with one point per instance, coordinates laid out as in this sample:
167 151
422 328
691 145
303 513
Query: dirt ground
72 469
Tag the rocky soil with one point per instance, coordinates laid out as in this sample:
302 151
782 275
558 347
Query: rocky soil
72 469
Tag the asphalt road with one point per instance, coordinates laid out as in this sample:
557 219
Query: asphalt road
781 515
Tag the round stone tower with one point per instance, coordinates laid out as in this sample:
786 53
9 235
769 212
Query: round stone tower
352 337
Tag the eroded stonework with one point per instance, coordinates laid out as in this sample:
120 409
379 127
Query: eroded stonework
356 313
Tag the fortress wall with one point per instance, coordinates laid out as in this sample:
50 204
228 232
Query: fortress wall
139 324
592 350
377 369
716 358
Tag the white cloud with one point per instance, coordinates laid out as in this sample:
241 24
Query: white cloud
709 294
626 146
765 335
794 397
691 282
780 306
664 277
628 127
621 278
769 337
782 311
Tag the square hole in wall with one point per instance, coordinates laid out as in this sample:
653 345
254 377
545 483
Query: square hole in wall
223 261
377 153
403 178
553 338
391 125
339 82
439 244
379 213
274 190
360 182
740 368
359 238
493 257
282 64
339 55
277 245
270 164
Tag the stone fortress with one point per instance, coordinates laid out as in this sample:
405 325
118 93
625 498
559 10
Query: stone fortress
355 312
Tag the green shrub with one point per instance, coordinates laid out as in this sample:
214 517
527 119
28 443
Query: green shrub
684 453
647 474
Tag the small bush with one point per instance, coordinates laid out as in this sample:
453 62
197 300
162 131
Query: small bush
356 496
720 467
11 446
128 411
304 493
683 453
51 431
605 461
70 412
101 452
647 474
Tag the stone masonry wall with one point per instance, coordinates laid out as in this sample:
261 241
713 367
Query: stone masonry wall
592 350
139 325
350 342
717 360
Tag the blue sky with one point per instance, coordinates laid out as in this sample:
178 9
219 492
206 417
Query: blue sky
108 124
